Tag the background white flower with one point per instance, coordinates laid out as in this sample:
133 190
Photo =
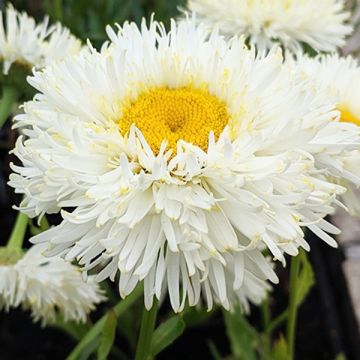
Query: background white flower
46 287
320 24
26 43
339 78
191 215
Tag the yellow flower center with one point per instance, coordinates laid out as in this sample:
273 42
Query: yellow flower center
176 114
348 116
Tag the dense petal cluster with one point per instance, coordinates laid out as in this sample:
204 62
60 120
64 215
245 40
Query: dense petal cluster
339 78
320 24
191 221
46 287
26 43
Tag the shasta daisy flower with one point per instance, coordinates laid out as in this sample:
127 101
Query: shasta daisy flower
320 24
45 286
175 158
338 151
28 44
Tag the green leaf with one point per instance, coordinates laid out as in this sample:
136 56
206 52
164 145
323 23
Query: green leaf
129 325
279 320
214 351
244 339
306 279
166 334
107 336
75 330
90 348
9 97
194 317
280 350
340 356
96 329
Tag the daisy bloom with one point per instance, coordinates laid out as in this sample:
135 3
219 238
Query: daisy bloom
339 78
28 44
320 24
175 158
45 286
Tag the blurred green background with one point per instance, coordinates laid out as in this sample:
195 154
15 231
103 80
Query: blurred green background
87 18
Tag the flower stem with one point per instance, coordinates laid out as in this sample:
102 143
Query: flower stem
293 306
146 333
266 315
10 95
59 10
278 321
18 233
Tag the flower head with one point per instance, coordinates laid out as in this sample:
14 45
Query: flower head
337 150
45 286
180 155
320 24
28 44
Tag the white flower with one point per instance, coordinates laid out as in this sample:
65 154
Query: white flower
190 215
339 78
320 24
45 286
24 42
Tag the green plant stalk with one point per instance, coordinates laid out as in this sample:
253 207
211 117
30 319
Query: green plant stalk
146 332
58 10
44 224
10 95
41 226
265 313
293 306
266 317
278 321
18 233
96 329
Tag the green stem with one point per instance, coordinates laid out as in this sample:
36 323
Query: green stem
278 321
266 315
292 314
146 333
97 328
10 95
44 224
18 233
58 10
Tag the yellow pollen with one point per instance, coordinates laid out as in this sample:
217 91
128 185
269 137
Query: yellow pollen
176 114
348 116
